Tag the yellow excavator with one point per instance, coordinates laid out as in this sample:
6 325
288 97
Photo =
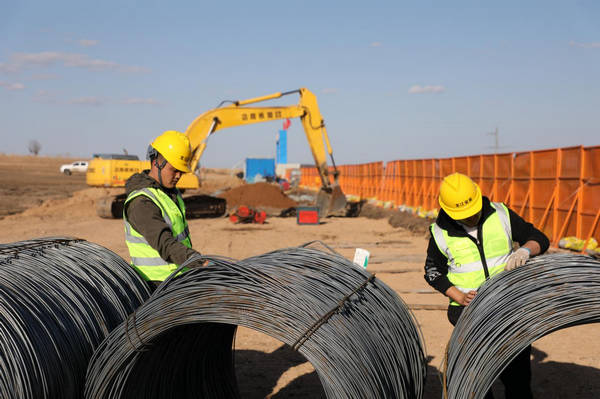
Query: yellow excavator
330 199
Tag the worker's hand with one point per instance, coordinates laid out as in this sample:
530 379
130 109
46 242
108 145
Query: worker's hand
467 298
198 264
517 258
196 260
460 297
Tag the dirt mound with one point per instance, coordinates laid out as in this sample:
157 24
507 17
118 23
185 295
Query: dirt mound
376 212
79 205
258 195
410 222
212 180
397 218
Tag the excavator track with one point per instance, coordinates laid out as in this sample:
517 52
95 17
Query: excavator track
197 206
204 206
111 207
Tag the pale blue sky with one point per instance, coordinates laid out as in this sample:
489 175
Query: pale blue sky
394 79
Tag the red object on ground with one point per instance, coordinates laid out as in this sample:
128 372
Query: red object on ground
307 215
260 217
243 211
284 184
244 214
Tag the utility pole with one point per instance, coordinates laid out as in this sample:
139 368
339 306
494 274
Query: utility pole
496 143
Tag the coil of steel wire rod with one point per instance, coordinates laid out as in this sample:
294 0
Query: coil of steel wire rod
358 334
514 309
59 298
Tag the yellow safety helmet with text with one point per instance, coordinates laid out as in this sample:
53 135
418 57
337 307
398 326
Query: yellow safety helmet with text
460 197
175 148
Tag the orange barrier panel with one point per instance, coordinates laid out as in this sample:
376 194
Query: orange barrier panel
558 190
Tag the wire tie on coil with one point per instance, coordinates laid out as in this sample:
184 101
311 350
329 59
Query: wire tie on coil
141 348
127 332
304 337
66 241
308 244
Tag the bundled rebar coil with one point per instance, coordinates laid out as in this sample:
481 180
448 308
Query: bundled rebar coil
360 337
59 298
514 309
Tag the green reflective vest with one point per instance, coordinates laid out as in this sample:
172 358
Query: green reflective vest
465 266
145 259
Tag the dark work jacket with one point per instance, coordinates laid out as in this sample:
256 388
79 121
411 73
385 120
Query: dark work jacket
146 218
436 264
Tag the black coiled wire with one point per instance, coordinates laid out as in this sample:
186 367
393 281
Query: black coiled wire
358 334
59 298
511 311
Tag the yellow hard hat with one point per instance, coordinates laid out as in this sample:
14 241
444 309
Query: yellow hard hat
175 147
460 197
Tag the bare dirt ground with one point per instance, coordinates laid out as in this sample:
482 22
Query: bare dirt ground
27 181
37 201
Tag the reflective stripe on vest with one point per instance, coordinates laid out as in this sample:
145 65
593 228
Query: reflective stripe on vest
465 268
145 259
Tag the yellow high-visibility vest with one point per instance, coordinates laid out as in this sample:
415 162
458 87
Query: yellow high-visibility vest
465 267
145 259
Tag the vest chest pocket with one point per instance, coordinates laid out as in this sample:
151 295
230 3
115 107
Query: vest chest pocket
464 245
462 251
496 246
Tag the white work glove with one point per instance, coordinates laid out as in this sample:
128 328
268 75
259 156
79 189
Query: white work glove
517 258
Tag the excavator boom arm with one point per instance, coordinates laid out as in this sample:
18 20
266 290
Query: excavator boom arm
238 114
329 200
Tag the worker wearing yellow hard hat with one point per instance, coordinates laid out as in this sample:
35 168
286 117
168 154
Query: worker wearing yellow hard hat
472 241
156 230
175 149
459 196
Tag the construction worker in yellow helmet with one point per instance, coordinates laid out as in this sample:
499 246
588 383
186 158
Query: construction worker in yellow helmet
472 241
156 230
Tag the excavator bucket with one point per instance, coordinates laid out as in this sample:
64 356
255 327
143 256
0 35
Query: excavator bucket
331 201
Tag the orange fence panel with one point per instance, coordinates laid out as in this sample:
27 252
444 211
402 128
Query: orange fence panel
590 211
558 189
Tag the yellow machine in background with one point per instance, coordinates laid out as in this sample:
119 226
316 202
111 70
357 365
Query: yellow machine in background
113 170
330 199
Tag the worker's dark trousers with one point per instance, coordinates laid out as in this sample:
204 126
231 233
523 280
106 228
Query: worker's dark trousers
516 377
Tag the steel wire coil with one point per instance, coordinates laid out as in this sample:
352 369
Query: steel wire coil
358 334
59 298
511 311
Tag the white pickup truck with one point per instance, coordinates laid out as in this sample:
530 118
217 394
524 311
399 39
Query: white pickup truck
79 166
